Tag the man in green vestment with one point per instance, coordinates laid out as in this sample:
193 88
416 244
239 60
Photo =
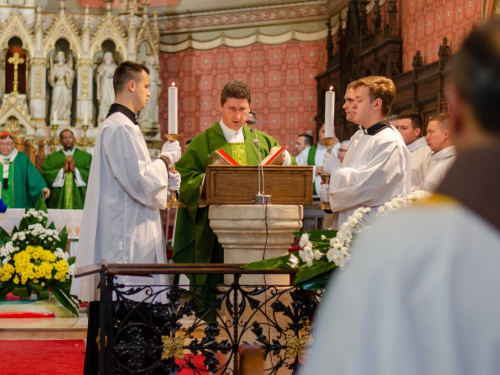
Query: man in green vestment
67 173
22 185
195 241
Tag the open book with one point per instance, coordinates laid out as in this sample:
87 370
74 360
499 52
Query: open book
221 157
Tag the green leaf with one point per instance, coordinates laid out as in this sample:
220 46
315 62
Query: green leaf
35 287
64 298
4 236
270 264
63 239
52 226
308 273
21 291
71 260
318 282
14 230
41 206
6 288
315 234
23 225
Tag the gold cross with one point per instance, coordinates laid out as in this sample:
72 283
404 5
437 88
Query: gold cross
15 60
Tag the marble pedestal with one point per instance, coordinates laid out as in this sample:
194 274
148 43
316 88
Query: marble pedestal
241 230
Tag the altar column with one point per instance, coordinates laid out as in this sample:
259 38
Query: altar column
38 74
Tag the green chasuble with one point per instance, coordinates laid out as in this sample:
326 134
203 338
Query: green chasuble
195 241
69 196
25 182
311 160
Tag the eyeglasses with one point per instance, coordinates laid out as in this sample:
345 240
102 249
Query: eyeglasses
6 144
342 150
235 110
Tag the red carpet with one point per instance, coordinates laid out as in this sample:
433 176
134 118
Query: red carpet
52 357
42 357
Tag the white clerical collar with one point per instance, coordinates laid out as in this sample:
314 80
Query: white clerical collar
69 152
419 143
232 135
445 153
10 157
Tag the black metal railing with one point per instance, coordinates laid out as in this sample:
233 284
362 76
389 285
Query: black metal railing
141 335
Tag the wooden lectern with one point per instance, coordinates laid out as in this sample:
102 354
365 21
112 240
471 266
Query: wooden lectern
228 184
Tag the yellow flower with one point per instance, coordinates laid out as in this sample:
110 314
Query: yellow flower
43 283
16 280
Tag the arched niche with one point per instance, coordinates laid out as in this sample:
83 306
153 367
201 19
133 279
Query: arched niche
107 45
15 45
62 46
145 51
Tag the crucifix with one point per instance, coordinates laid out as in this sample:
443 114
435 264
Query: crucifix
15 60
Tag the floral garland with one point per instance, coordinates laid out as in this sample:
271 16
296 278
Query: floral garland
320 251
33 259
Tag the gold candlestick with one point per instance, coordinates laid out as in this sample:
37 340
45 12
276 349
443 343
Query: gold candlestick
54 137
325 177
173 202
85 127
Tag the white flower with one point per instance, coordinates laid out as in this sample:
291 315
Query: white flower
303 239
323 237
309 262
318 254
294 263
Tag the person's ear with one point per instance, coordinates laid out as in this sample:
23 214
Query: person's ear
455 109
131 85
220 106
378 104
417 132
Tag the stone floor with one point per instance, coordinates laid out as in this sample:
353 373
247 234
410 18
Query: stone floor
44 328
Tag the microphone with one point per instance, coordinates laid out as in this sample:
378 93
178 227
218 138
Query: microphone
260 198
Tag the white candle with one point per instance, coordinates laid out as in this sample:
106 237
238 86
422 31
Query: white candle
55 117
85 119
172 109
329 112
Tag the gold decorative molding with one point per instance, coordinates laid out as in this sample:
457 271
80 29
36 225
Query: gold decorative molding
85 83
38 82
172 347
295 346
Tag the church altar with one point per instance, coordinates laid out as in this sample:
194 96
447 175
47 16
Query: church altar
72 219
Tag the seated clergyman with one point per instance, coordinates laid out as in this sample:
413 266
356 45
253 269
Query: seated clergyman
67 173
195 241
22 185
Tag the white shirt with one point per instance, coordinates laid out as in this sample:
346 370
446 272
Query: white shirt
301 158
121 220
441 162
375 171
59 181
236 136
420 161
419 296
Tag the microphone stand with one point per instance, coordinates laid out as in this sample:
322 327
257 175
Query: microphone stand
260 198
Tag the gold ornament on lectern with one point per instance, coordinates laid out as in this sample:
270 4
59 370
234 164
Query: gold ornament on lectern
325 178
173 202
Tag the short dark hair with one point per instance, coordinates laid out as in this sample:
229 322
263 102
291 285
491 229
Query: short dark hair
253 114
125 72
416 120
476 74
7 136
66 130
380 88
308 139
237 90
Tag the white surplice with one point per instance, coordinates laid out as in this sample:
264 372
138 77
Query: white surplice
121 220
413 304
441 162
301 158
376 170
420 161
318 162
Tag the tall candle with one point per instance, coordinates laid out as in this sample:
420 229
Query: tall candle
329 112
85 119
172 109
55 117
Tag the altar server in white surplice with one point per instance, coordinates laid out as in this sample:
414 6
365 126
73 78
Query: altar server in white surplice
409 125
377 165
420 294
121 220
438 138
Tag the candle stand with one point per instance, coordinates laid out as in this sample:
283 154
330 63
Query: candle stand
325 178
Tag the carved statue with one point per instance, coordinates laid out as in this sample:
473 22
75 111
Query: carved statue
148 114
61 78
105 92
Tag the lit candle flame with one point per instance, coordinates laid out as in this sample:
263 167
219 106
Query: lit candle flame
173 84
331 88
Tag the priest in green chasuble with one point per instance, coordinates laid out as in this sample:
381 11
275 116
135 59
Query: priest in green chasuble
67 173
22 185
195 242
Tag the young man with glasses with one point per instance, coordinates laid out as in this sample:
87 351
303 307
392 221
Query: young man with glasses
195 241
22 185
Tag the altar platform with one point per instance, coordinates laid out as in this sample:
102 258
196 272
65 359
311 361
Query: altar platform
44 328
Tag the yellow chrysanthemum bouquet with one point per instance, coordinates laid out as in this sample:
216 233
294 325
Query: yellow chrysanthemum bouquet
33 259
